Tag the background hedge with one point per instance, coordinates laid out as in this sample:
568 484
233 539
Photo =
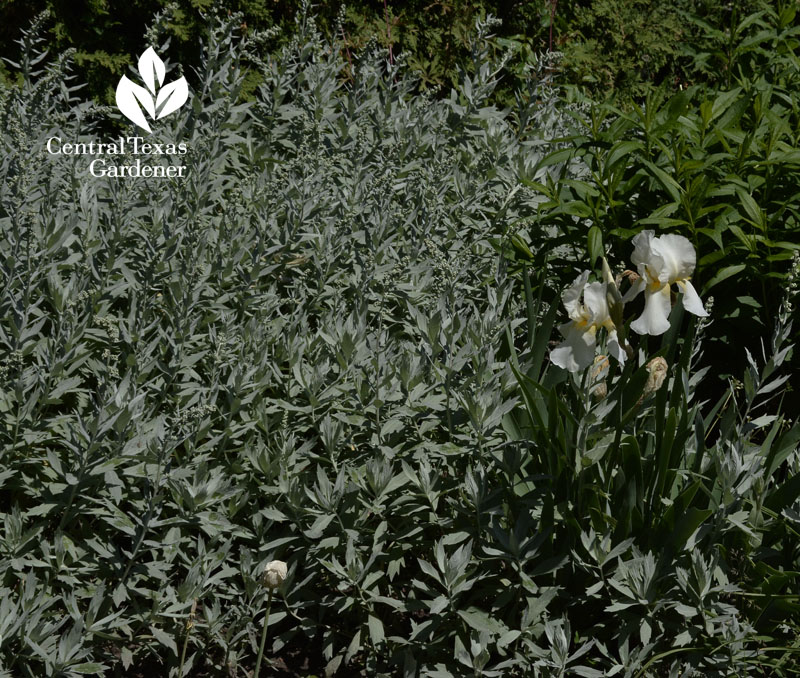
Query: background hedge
624 46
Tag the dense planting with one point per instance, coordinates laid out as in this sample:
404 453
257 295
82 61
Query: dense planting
624 46
333 345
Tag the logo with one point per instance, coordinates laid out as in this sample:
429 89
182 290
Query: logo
157 100
135 156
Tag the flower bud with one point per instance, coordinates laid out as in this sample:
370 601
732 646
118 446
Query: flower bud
274 574
599 389
657 372
613 297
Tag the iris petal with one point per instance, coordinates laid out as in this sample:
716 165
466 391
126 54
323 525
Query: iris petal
634 290
691 300
655 318
677 256
594 297
571 297
642 243
576 352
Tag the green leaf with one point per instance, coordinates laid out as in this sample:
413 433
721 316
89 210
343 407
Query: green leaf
595 245
751 208
164 638
375 630
784 495
620 150
481 621
667 182
778 452
691 520
723 101
556 158
89 668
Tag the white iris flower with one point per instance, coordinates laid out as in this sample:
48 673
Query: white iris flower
662 262
577 350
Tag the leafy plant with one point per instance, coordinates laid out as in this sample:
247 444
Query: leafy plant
661 510
309 350
716 166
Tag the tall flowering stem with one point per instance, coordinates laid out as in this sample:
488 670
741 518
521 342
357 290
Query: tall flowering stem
263 635
189 625
274 575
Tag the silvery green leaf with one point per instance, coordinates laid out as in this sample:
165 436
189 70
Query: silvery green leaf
376 632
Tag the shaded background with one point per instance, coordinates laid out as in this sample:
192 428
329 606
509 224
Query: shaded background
624 46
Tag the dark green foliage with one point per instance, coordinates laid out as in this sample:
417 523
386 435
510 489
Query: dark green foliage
609 46
630 46
310 350
109 36
720 167
623 45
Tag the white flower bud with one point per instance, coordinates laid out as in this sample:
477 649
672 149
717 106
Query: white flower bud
274 574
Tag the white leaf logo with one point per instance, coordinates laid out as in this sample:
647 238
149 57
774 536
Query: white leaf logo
157 101
171 97
151 68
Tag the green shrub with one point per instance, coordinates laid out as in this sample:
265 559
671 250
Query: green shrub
718 166
274 358
608 46
628 48
309 351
